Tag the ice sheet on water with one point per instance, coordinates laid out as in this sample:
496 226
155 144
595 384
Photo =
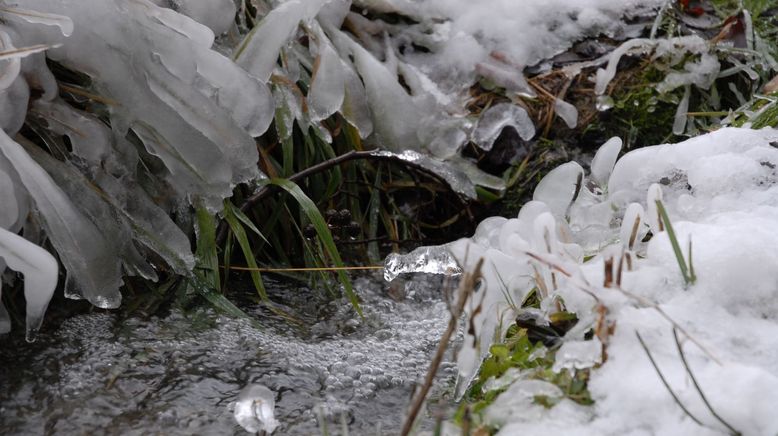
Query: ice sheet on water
254 409
364 370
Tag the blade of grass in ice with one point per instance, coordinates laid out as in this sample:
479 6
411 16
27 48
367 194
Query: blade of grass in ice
245 246
323 231
688 278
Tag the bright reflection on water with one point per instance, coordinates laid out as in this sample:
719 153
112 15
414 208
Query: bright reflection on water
179 374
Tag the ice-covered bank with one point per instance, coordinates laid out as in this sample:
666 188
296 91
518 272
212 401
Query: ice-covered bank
720 192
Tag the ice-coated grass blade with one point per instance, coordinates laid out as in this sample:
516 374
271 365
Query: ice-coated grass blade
207 256
688 274
313 214
240 235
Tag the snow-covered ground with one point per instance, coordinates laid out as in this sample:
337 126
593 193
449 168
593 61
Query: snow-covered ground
721 193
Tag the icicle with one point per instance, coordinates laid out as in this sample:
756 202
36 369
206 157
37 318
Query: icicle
327 89
653 195
567 112
258 53
679 124
633 226
86 254
40 272
604 161
560 188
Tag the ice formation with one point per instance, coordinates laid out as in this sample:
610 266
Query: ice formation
189 87
721 190
254 409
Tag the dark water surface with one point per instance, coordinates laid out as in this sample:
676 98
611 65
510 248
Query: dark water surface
179 374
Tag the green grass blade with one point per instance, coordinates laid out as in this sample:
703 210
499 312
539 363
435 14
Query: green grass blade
313 214
227 259
206 254
688 278
244 219
373 213
692 275
245 246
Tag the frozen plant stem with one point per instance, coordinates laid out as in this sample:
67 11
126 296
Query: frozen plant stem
686 271
697 385
664 381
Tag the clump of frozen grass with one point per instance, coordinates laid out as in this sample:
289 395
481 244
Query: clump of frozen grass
176 93
723 189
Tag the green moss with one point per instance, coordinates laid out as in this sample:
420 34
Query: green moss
640 116
768 118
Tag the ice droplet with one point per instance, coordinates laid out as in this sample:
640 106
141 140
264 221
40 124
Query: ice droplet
432 260
604 102
254 409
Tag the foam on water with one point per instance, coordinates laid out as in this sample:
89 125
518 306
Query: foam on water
182 374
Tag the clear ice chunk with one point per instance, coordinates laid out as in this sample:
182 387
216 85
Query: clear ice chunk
559 188
604 161
254 409
431 260
496 118
327 89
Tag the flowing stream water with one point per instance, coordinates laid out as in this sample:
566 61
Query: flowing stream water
180 373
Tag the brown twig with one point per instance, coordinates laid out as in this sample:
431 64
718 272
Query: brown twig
466 286
666 383
697 385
